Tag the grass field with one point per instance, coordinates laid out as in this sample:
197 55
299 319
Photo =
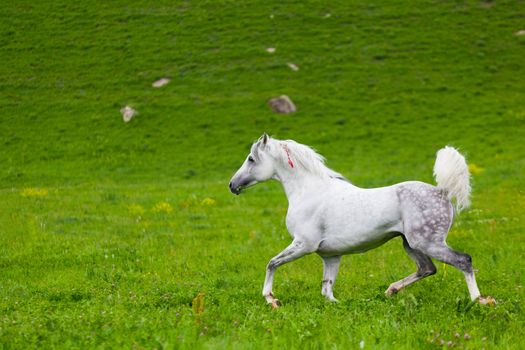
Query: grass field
116 235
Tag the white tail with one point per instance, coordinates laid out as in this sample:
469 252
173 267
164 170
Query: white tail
451 173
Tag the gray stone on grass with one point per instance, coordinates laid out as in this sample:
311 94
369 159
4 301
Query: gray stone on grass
282 104
161 82
128 113
293 67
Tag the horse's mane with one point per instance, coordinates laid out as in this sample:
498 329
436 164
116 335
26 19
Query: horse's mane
306 158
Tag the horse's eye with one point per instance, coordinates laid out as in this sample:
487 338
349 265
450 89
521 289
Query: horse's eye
250 159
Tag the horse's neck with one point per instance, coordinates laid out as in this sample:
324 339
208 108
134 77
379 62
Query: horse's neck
297 185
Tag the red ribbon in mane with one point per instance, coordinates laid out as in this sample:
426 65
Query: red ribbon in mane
288 155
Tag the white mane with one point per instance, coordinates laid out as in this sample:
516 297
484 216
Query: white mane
304 158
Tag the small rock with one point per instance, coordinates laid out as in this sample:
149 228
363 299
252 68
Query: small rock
293 67
161 82
282 104
520 32
328 15
128 113
270 50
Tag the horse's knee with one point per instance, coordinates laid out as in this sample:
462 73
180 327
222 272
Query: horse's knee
272 265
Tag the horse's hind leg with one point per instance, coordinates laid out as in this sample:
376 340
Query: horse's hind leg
462 262
425 267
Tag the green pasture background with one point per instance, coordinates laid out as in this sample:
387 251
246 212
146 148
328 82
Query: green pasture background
124 235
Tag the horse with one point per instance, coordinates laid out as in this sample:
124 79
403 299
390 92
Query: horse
330 216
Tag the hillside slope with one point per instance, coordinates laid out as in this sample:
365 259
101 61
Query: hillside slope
377 83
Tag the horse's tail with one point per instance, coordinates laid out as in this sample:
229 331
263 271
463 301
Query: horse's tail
452 175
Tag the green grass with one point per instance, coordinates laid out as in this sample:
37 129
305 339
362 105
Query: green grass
108 231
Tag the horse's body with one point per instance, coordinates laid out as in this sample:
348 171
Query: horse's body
331 217
344 218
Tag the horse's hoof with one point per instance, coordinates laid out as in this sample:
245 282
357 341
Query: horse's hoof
276 303
391 291
488 300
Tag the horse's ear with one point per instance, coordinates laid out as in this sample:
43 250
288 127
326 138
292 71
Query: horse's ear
265 138
263 141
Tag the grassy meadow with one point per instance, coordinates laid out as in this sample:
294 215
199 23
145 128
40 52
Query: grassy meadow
124 235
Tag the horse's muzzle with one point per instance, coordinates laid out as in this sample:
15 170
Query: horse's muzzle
235 190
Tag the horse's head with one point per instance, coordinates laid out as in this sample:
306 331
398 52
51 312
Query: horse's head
259 166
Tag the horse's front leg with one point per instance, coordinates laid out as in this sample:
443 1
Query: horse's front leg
331 267
294 251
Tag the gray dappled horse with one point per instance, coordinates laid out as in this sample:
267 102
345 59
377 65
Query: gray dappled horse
331 217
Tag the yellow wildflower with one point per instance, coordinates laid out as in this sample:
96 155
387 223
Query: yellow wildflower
474 169
34 192
208 201
163 207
